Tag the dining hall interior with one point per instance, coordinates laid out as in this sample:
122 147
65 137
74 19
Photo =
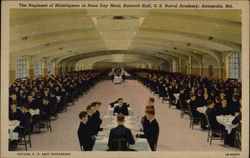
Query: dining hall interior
135 80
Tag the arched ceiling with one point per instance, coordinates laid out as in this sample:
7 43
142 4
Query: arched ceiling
116 56
165 34
120 58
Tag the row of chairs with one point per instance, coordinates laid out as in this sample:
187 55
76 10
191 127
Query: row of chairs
186 111
118 144
25 136
212 134
196 121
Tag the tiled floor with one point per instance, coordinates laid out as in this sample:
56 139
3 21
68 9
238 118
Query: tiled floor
175 134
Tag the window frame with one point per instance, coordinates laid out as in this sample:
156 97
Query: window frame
38 68
21 68
234 62
50 67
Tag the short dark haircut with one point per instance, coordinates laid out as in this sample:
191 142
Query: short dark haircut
210 102
224 99
120 117
14 102
151 99
200 92
46 98
96 103
192 95
235 96
89 107
82 114
150 111
119 99
149 107
26 106
93 104
218 98
12 93
30 94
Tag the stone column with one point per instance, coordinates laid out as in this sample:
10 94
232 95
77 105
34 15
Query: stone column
190 65
180 63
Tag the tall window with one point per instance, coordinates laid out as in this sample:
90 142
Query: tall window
38 68
49 67
21 66
235 66
166 66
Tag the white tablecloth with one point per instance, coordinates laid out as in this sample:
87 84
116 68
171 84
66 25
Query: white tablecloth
117 79
34 112
12 125
226 120
140 145
58 98
202 109
109 122
176 95
111 110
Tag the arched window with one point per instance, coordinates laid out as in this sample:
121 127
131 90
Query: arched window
76 67
235 66
166 66
38 68
21 66
49 67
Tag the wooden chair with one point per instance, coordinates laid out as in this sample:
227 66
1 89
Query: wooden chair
25 135
70 99
54 112
46 122
119 144
193 120
171 101
165 98
75 94
65 105
237 141
163 94
80 91
211 133
184 111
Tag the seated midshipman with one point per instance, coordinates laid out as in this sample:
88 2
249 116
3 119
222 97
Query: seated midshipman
120 135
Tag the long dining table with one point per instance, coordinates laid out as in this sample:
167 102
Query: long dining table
132 122
11 127
226 121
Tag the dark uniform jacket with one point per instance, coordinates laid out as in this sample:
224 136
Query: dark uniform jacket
120 132
85 136
212 113
96 120
121 110
151 133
